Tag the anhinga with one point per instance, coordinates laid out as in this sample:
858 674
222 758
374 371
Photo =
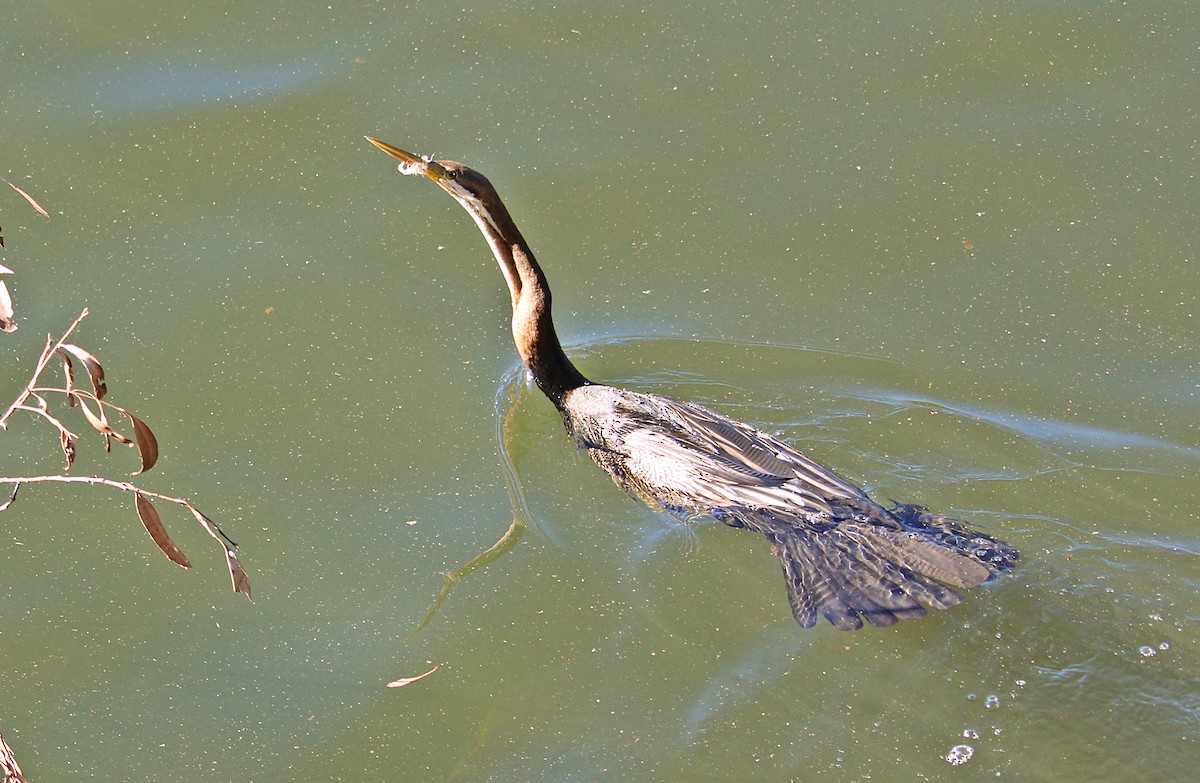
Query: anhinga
844 556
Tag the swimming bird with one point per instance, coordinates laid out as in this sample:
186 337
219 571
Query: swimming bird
844 556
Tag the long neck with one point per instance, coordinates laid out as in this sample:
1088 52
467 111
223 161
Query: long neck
532 325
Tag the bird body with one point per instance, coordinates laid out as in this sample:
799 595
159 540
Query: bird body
843 555
691 458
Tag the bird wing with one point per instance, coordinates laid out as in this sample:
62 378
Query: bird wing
685 451
756 456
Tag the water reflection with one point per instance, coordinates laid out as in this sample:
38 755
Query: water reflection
758 669
506 406
170 85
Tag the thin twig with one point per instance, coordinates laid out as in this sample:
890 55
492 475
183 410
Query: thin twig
45 414
241 582
43 361
124 486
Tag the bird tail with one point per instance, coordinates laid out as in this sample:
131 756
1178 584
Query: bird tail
874 564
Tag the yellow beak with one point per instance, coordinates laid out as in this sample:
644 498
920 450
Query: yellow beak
410 163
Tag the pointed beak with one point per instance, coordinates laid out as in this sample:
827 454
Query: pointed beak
410 163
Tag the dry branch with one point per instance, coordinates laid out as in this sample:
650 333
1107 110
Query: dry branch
33 400
95 409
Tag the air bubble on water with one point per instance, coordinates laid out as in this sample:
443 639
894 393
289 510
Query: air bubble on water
960 754
991 702
1164 646
1020 683
1156 616
971 697
970 734
1147 651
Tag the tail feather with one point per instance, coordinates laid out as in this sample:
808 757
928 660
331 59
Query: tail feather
819 580
901 575
874 565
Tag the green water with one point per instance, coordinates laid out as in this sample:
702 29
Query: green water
946 248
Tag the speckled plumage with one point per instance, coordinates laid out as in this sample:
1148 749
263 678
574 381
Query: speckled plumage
844 556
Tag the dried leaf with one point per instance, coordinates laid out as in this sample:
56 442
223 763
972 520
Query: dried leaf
154 527
410 680
91 364
6 311
68 447
8 764
4 506
147 444
69 378
99 422
241 582
29 198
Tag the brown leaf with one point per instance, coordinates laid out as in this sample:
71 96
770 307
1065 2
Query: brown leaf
69 380
6 311
68 447
400 683
147 444
91 364
100 423
241 581
154 527
29 198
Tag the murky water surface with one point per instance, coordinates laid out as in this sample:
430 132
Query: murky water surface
947 249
